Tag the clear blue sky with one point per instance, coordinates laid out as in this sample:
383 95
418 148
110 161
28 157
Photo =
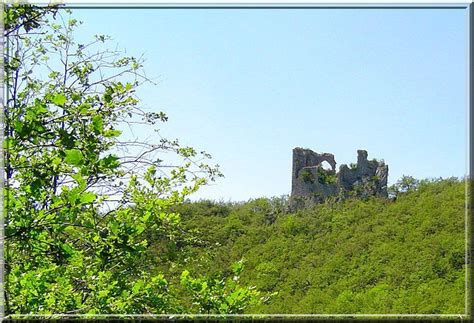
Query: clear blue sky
248 86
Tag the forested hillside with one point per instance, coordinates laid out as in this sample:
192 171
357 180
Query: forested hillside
402 255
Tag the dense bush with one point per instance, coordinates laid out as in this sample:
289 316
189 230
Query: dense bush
373 256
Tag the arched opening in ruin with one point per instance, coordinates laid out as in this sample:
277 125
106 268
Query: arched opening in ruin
325 165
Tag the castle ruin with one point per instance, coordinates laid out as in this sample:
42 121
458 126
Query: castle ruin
311 182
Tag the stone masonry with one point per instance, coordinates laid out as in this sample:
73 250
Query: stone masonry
311 182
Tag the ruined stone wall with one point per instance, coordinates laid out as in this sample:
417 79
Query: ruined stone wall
311 182
305 175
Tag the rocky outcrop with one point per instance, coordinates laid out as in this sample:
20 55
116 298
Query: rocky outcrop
311 182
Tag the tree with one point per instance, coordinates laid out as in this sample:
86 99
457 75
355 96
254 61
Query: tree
221 295
403 185
82 199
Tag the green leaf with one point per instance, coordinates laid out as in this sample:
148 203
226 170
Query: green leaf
74 157
78 178
112 133
88 197
114 227
68 249
140 228
59 99
103 293
40 107
97 124
110 161
72 195
137 286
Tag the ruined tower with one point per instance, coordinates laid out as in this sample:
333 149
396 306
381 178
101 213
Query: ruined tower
311 182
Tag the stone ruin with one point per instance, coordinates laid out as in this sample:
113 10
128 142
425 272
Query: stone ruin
313 183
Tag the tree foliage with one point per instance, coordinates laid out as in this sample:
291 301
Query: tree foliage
82 198
365 256
220 294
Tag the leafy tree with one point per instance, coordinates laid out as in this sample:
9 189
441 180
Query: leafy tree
82 198
221 295
403 185
407 183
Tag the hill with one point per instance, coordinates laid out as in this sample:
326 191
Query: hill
379 256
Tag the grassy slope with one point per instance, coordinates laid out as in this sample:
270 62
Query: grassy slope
374 256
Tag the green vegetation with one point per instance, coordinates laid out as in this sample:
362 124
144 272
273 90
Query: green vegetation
355 256
83 201
325 176
307 176
93 230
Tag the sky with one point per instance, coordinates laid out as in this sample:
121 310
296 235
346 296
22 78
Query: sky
249 85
